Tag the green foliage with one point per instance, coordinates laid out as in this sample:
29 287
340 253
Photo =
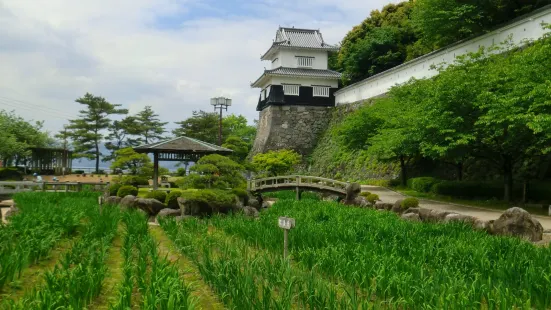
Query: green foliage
409 203
292 195
127 190
469 189
136 163
78 171
275 163
365 194
172 199
148 126
239 146
241 193
372 198
214 198
214 171
114 188
133 180
10 174
181 172
422 184
87 131
159 195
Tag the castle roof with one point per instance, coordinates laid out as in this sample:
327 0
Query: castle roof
297 72
298 38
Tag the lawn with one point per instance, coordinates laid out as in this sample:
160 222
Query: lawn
340 258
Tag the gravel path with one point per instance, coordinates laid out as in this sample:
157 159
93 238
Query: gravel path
390 196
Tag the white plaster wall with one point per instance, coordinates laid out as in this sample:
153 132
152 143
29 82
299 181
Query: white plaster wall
279 80
287 58
528 28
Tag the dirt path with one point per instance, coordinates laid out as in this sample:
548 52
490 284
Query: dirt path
200 290
390 196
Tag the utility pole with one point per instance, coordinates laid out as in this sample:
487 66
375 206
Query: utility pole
220 103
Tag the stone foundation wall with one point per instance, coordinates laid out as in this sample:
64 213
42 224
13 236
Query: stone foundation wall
296 127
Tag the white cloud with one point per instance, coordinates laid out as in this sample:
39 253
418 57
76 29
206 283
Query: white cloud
52 52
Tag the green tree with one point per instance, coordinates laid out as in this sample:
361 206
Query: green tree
121 135
215 171
148 125
239 147
87 131
275 163
136 163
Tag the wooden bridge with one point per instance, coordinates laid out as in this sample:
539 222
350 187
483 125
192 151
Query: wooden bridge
298 183
9 187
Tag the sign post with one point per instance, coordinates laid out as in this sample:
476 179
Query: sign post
286 223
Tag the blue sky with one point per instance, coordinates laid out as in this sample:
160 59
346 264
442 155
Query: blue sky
171 54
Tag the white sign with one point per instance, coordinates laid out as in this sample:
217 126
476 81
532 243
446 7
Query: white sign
286 222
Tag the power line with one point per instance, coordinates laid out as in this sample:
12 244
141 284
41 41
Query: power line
32 104
35 109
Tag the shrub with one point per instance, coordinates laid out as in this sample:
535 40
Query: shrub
172 199
210 199
241 194
372 198
159 195
539 192
134 180
365 194
10 174
275 163
469 189
410 203
78 171
422 184
180 172
114 188
127 190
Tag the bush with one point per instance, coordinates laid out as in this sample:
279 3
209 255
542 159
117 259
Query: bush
423 184
159 195
114 188
241 194
10 174
172 199
539 192
365 194
210 199
409 203
127 190
372 198
134 180
78 171
469 189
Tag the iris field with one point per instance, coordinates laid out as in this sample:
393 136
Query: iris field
63 252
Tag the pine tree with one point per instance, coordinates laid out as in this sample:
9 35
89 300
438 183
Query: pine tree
149 127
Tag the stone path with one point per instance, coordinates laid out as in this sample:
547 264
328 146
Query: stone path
390 196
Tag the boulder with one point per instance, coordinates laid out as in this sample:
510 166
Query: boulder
352 191
112 200
411 217
397 206
267 204
167 212
128 201
454 217
481 225
189 207
330 197
383 206
518 222
149 205
250 211
11 212
254 203
428 215
359 201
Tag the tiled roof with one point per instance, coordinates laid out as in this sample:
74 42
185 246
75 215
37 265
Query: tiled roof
303 72
183 144
300 38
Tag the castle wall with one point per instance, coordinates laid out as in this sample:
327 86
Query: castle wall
296 127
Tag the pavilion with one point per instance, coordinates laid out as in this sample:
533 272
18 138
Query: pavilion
56 161
178 149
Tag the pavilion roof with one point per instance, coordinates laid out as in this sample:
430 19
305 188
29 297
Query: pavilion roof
298 38
182 144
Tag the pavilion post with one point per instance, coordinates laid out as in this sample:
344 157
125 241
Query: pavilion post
155 170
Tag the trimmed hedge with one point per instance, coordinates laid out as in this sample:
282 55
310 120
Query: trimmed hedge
114 188
409 203
214 198
469 189
134 180
127 190
172 199
422 184
159 195
78 171
372 198
10 174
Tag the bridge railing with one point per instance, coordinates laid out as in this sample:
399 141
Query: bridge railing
297 181
11 187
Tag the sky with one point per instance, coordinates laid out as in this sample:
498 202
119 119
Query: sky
173 55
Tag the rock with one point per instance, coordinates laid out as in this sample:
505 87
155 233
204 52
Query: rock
352 191
383 206
428 215
128 201
413 210
11 212
454 217
359 201
267 204
189 207
397 206
250 211
149 205
481 225
112 200
547 231
411 217
518 222
254 203
169 212
330 198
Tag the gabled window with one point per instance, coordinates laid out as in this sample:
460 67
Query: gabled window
304 61
291 90
321 91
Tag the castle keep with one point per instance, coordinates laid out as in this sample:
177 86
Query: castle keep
296 94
